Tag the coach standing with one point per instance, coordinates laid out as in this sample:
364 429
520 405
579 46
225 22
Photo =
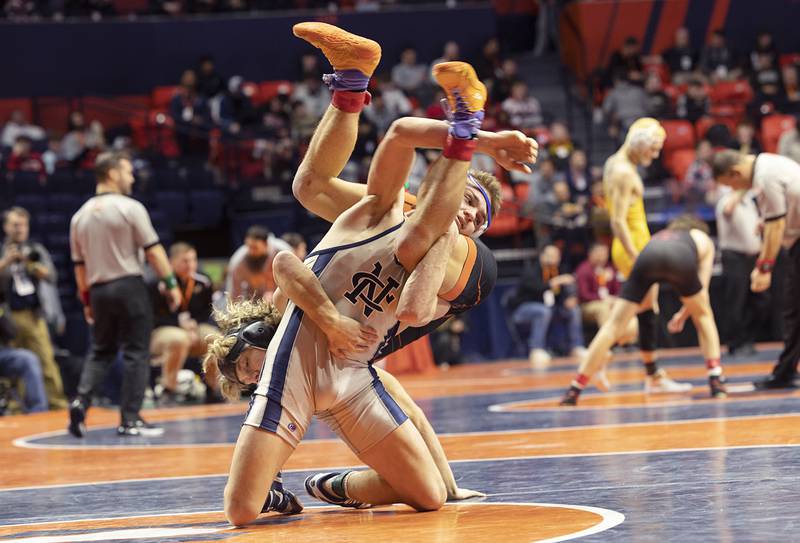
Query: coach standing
107 236
775 180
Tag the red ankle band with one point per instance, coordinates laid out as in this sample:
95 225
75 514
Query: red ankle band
712 363
351 102
581 380
459 149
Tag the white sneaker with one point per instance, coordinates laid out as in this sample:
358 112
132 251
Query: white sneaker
660 382
540 359
601 377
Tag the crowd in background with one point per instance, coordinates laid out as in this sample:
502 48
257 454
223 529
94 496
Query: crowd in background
567 287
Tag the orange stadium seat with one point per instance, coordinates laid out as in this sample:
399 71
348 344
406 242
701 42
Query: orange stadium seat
737 92
680 135
679 161
789 58
8 105
772 126
161 96
704 123
506 223
268 89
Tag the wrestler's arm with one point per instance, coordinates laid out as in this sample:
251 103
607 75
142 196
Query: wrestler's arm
418 300
423 425
705 268
621 195
329 197
299 284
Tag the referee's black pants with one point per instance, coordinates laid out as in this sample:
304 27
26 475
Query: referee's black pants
786 368
745 310
123 319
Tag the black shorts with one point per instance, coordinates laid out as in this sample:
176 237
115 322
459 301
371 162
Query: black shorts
666 259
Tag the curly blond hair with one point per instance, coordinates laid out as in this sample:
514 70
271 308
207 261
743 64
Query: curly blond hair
236 314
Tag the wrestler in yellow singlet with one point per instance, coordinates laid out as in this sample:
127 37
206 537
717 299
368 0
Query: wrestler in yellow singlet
636 219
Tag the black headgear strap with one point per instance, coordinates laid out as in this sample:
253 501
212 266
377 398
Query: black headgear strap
253 334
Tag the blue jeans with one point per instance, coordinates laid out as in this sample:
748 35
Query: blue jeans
23 364
537 317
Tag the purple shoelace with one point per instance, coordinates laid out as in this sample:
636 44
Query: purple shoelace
464 124
346 80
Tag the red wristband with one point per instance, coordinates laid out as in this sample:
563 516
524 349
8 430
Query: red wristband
765 265
459 149
85 298
350 102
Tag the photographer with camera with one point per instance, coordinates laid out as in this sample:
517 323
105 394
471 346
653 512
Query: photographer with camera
26 272
21 364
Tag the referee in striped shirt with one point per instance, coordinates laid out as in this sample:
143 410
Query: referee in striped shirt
107 237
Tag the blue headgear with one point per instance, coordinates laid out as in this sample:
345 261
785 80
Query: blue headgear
474 183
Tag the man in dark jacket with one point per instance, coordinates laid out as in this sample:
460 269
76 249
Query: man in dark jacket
544 292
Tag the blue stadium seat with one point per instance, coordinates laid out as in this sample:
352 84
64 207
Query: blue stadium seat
63 180
174 204
25 183
35 204
66 203
206 207
56 223
278 221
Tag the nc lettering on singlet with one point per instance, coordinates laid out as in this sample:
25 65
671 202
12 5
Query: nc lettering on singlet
369 288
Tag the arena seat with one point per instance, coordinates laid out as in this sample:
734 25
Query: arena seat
704 123
8 105
772 126
679 162
680 135
269 89
160 96
206 207
174 204
64 202
738 92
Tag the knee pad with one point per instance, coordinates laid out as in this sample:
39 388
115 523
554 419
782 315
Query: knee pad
647 330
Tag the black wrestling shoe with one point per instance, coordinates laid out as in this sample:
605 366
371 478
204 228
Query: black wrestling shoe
281 500
771 383
717 385
316 488
570 397
139 427
77 418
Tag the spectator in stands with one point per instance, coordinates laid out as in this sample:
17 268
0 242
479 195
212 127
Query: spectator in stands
509 74
559 147
764 53
434 109
716 59
681 58
446 343
623 104
367 140
315 96
659 105
303 122
170 7
81 144
18 126
740 242
25 268
23 159
180 335
189 110
541 181
767 84
568 221
626 63
746 141
388 103
233 109
578 177
21 364
524 110
408 74
450 52
276 117
545 292
20 10
789 142
310 67
209 81
297 243
488 63
698 180
791 89
695 103
597 285
250 267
